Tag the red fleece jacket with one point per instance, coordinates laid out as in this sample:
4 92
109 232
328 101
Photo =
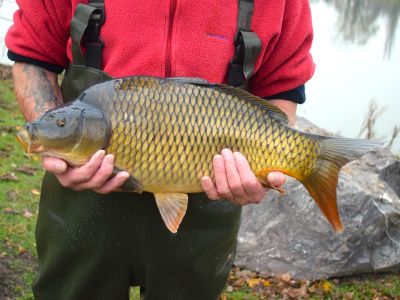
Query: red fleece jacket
175 38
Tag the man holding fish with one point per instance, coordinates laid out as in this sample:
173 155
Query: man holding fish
93 240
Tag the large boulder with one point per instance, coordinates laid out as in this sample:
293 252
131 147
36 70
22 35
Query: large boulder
289 234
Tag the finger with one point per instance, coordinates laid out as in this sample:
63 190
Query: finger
232 174
76 176
221 181
100 176
54 165
252 187
209 188
113 184
276 179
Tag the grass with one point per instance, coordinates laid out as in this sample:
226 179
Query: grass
18 214
18 204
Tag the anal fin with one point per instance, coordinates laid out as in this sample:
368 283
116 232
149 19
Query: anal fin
172 207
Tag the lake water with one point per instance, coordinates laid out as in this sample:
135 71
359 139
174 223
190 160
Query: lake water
357 53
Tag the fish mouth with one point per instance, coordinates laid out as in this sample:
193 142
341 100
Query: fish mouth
30 144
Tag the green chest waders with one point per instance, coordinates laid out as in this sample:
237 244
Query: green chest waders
93 246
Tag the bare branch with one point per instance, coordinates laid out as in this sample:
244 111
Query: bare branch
396 131
370 118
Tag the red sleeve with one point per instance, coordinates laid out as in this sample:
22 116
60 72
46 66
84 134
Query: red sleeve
285 61
41 31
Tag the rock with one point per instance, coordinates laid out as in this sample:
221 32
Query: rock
391 174
289 234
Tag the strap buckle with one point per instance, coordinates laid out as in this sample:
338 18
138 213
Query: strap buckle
92 33
235 70
93 42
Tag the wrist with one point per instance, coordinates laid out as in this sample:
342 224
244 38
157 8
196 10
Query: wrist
288 107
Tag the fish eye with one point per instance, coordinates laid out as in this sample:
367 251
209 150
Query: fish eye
61 122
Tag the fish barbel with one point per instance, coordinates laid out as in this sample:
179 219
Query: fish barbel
165 132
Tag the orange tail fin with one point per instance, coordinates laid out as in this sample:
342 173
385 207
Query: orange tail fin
322 185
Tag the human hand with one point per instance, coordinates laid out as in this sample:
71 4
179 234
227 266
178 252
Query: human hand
93 175
235 181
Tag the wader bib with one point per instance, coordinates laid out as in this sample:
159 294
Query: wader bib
93 246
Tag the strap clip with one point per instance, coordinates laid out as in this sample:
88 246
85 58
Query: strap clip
92 33
92 41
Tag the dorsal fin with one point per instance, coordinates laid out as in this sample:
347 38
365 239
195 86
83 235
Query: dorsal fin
273 110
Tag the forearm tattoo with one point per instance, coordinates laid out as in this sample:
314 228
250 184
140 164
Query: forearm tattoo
40 88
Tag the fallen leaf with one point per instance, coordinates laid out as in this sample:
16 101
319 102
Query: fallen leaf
27 170
348 295
7 148
27 213
12 211
35 192
312 289
12 195
9 176
4 154
239 283
245 274
286 277
21 249
9 129
253 282
326 286
302 291
297 293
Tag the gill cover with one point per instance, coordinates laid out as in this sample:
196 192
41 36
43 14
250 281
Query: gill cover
73 132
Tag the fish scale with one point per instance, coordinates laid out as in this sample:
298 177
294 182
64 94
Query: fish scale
165 132
204 123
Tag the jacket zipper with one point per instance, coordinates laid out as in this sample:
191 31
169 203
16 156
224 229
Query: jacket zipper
169 36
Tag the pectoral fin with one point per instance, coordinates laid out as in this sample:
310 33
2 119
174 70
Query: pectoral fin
131 184
172 207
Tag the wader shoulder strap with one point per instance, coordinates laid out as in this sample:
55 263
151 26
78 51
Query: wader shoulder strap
93 43
247 47
87 21
84 72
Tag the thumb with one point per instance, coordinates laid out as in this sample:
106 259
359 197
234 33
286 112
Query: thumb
276 179
54 165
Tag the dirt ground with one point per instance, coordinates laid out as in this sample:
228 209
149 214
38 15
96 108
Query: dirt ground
5 72
12 273
6 277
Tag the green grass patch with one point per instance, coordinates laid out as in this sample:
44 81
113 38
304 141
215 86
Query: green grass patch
18 199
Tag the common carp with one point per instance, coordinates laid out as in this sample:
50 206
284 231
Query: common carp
165 132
